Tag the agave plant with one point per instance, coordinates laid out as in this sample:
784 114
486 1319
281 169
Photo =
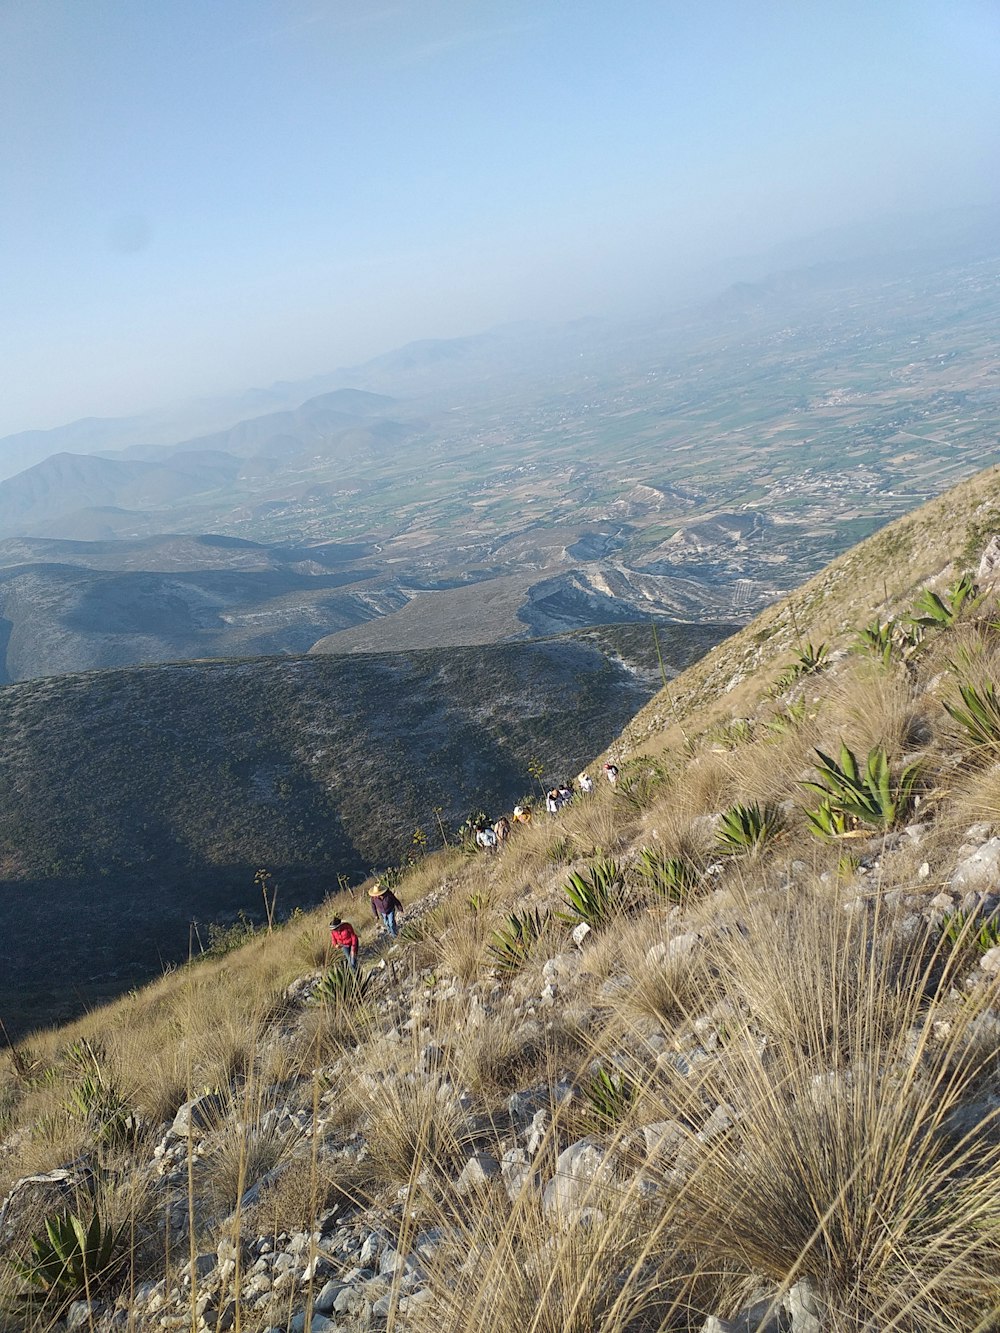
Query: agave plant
869 795
611 1096
72 1258
787 721
669 876
827 820
888 639
512 942
744 829
944 611
596 896
981 715
812 659
637 783
104 1109
340 987
959 928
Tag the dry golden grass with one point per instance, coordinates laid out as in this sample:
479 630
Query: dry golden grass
250 1141
870 705
495 1054
600 824
667 985
842 1092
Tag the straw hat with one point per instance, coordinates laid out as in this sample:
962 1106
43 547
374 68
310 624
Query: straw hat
376 892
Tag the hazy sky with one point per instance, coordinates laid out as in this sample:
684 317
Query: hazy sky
197 196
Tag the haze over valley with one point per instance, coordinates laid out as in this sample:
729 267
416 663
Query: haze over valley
522 482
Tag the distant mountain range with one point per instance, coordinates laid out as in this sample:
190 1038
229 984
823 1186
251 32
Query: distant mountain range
49 497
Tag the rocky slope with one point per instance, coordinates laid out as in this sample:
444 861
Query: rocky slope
670 1061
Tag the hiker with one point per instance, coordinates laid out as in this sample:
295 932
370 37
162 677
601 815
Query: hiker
344 936
522 815
565 794
552 800
585 782
502 829
611 772
486 838
385 905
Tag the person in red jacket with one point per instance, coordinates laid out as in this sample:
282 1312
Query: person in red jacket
344 936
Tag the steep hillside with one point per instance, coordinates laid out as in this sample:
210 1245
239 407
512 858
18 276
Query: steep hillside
711 1050
132 802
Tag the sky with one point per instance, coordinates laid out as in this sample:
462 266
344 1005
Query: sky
196 198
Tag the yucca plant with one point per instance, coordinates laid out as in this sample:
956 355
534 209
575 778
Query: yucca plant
870 795
72 1259
981 715
931 609
610 1097
596 896
744 829
670 877
511 943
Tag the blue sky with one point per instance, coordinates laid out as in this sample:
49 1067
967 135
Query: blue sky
197 196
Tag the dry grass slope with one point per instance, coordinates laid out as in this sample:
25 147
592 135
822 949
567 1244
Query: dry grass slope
763 1087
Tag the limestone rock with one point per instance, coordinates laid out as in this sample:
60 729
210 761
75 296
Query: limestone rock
581 1169
989 562
804 1307
479 1169
979 870
197 1116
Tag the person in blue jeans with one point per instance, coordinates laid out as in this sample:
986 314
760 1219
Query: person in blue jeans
385 905
343 936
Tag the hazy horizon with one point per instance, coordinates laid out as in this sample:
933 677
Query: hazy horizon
205 199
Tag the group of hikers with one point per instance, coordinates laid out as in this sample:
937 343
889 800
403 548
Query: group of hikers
387 908
491 837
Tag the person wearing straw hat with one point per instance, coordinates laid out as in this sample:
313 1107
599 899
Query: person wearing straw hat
385 905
